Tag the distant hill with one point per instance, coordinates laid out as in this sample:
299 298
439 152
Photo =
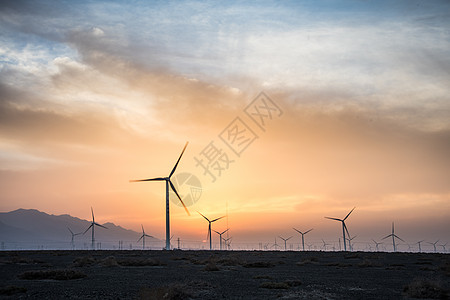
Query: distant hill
33 229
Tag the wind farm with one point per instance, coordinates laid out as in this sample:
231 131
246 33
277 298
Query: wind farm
243 134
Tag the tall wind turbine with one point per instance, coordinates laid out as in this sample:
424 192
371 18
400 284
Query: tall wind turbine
443 246
393 237
434 245
344 227
303 234
143 237
285 240
209 228
220 235
93 224
73 235
168 183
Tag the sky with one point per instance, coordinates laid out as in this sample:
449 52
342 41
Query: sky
297 109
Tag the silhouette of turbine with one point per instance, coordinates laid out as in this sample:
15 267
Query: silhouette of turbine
285 240
92 226
73 235
209 228
168 183
303 234
393 237
344 227
143 237
434 245
420 248
220 235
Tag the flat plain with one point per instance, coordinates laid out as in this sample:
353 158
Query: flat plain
182 274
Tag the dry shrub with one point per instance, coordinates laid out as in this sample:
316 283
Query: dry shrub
211 266
12 290
366 264
57 274
230 261
294 282
84 261
109 261
424 288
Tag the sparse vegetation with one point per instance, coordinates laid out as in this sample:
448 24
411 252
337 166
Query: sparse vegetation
84 261
274 285
424 288
56 274
140 262
170 292
258 264
211 266
262 277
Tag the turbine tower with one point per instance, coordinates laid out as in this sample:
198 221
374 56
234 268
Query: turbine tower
420 248
344 227
209 229
303 236
93 224
220 235
143 237
73 235
285 240
168 183
393 237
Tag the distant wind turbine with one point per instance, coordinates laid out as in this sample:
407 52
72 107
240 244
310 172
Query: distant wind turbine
92 226
376 244
344 227
220 235
350 244
420 248
393 235
275 245
303 234
209 228
434 245
143 237
325 245
73 235
228 242
168 183
443 246
285 240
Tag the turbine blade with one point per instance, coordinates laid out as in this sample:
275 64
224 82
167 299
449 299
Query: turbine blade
229 229
399 238
70 230
297 230
100 225
308 231
179 198
217 232
349 213
174 168
333 219
218 219
289 238
203 216
151 179
140 239
88 228
142 228
345 226
92 211
387 236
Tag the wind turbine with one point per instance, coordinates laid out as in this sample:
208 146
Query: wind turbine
420 248
93 224
228 242
209 229
393 237
443 246
376 244
325 245
220 235
434 245
275 245
350 239
73 235
344 227
303 234
143 237
168 183
285 240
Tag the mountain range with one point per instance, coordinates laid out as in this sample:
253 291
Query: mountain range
33 229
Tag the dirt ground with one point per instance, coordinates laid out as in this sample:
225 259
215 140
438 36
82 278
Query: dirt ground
222 275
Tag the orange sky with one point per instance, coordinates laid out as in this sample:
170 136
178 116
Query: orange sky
76 126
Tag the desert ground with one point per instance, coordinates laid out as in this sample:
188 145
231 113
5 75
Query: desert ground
181 274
